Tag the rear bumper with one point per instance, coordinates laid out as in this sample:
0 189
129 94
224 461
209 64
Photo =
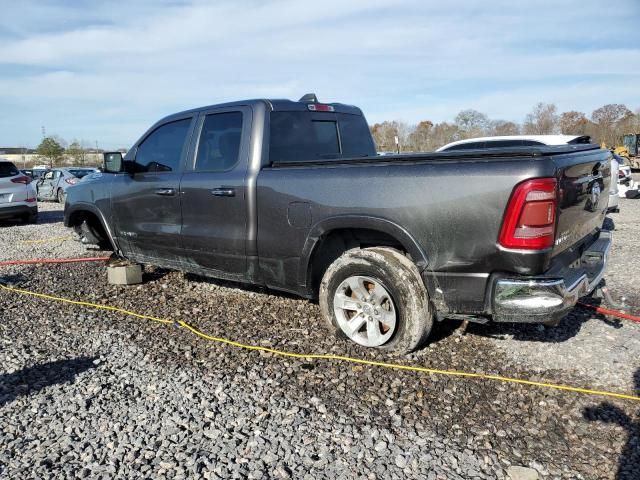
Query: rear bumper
13 211
550 297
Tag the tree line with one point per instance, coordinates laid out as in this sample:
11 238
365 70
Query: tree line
54 150
606 124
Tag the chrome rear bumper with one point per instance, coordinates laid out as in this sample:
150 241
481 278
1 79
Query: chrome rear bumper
549 298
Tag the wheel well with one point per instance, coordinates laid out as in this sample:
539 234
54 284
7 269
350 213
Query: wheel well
77 218
334 243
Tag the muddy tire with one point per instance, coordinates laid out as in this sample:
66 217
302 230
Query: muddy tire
61 196
376 298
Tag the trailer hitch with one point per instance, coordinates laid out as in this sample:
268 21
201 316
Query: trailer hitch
603 292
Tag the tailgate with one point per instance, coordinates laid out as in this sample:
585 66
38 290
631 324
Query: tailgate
583 181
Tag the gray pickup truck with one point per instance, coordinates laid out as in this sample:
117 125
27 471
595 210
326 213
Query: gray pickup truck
291 195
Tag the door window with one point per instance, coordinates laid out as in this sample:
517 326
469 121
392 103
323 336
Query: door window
162 150
219 144
48 176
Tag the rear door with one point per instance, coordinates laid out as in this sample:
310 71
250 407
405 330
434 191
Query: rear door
146 203
214 192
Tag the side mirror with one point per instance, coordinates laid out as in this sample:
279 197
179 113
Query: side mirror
113 162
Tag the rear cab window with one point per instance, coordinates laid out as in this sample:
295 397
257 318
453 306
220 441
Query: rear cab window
305 135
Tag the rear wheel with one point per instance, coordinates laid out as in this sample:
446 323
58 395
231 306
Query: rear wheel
376 298
61 196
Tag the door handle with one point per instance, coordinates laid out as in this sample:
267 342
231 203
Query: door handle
223 192
166 192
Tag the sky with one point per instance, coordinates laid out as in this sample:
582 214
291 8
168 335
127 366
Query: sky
105 71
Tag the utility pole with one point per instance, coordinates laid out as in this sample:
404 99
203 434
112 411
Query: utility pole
44 132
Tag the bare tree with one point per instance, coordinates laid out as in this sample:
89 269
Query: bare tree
608 121
77 153
503 127
420 137
574 123
384 135
471 123
543 120
443 133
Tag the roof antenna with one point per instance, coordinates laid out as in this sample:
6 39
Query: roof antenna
309 97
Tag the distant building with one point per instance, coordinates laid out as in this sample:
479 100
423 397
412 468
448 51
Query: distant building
16 151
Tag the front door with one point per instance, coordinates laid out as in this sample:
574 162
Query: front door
48 185
213 191
146 202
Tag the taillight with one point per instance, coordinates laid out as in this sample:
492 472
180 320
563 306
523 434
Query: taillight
71 181
22 179
530 219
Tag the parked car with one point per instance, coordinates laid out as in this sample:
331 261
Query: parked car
513 141
53 185
34 173
624 170
292 196
17 194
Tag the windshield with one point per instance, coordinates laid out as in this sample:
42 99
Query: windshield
80 173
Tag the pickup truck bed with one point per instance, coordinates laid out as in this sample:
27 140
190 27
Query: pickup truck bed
446 210
304 205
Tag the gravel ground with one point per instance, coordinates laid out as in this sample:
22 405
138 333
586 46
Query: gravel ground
31 241
95 394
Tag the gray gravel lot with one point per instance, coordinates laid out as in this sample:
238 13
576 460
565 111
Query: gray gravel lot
95 394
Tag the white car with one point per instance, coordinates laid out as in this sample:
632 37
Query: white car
514 141
624 170
17 194
533 140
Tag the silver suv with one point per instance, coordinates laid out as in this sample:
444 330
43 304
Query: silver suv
17 194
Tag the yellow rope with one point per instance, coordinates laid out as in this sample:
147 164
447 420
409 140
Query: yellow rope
318 356
46 240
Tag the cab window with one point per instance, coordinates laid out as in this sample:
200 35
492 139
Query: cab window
162 150
219 143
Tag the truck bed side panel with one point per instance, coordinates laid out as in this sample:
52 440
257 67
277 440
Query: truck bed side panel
453 209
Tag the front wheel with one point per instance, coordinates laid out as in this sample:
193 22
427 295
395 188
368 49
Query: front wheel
376 298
